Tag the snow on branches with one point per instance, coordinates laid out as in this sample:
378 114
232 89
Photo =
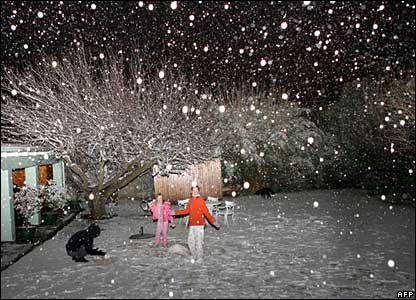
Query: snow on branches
106 124
27 202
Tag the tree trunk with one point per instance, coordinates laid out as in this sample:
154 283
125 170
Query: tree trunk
98 210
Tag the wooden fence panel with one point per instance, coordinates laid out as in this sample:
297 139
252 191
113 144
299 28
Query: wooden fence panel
177 187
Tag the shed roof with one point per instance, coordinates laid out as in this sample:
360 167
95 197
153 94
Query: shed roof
18 156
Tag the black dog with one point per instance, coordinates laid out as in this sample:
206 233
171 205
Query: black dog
81 244
265 192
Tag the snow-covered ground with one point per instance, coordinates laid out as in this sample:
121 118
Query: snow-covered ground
311 244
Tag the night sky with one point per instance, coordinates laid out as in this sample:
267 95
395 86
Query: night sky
307 48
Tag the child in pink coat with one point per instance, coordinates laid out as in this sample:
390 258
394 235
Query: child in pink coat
161 213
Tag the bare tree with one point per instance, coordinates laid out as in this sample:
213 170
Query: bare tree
374 124
110 120
381 114
398 99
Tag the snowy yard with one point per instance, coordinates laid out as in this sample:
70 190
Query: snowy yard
310 244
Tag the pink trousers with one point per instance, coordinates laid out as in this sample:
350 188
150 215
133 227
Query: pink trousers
162 229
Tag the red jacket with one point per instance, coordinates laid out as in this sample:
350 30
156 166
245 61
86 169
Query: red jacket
197 209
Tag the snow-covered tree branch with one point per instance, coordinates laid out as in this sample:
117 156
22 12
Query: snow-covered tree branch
110 120
271 138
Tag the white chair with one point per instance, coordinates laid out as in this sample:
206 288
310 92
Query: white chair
182 204
212 204
226 210
211 199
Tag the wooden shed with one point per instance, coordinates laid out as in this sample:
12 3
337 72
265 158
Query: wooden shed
207 176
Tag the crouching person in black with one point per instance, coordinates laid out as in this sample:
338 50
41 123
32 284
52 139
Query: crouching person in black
82 242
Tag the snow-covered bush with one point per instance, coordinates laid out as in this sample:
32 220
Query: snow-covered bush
273 142
55 196
27 202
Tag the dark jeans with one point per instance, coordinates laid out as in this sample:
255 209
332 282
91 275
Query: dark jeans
78 254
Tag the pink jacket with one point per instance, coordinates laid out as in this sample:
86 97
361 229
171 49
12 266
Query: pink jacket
166 211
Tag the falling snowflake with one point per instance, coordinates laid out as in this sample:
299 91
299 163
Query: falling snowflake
391 263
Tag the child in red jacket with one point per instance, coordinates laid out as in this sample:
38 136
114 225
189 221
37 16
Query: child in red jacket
162 214
197 210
